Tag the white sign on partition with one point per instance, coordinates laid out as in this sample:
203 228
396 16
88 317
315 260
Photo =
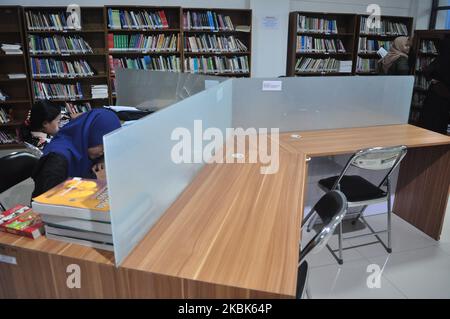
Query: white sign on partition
272 86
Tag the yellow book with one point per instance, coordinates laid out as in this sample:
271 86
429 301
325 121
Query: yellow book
76 198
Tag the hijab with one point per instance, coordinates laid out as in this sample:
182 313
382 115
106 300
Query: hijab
398 49
74 139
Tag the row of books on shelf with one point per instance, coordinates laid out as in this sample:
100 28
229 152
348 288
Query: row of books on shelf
217 65
159 63
13 76
75 211
366 65
37 20
418 98
316 25
208 20
428 46
56 91
319 45
137 19
71 110
50 91
142 43
372 46
305 64
213 43
385 27
423 62
7 138
58 44
11 49
421 82
4 116
49 68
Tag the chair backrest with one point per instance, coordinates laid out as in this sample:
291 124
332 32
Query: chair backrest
15 168
375 159
331 209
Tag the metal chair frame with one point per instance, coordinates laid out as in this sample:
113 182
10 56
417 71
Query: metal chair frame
321 239
390 163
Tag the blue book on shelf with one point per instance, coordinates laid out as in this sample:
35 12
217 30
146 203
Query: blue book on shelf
148 60
122 19
210 20
110 19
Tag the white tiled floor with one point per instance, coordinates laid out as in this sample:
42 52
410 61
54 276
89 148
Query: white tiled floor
419 267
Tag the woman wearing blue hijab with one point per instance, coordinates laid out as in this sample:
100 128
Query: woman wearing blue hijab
74 150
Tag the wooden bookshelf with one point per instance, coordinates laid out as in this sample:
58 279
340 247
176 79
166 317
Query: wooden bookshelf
346 28
93 33
172 15
18 91
239 17
349 32
407 21
418 55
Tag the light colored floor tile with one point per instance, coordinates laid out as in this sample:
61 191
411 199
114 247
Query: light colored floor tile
349 282
445 247
404 237
445 237
423 273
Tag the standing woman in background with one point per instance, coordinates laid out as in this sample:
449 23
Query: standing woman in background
436 107
396 62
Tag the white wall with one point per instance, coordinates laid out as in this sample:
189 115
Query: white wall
269 47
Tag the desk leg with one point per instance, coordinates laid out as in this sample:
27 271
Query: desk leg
423 188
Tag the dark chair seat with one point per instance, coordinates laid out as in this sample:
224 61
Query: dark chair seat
355 188
302 276
15 168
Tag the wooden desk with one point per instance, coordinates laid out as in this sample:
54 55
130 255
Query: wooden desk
233 232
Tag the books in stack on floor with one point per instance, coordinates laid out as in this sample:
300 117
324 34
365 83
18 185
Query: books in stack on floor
77 211
99 91
21 220
11 48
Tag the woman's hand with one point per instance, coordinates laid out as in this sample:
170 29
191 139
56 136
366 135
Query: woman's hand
99 171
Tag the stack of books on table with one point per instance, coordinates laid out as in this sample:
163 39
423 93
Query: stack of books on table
21 220
77 211
99 91
11 48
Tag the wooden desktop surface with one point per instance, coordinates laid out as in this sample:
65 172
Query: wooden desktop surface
235 227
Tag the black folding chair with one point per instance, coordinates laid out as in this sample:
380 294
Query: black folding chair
15 168
331 208
361 193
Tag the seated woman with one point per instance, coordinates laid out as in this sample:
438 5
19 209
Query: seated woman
396 62
43 121
75 150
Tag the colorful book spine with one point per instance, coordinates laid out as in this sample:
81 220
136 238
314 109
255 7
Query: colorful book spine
208 20
137 20
217 65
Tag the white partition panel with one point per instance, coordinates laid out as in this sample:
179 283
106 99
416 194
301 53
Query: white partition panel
154 90
143 180
313 103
